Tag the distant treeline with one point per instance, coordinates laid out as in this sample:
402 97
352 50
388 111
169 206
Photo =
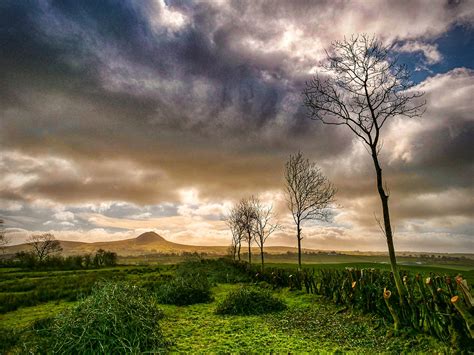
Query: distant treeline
30 260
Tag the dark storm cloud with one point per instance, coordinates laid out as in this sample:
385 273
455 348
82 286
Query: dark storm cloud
70 96
93 49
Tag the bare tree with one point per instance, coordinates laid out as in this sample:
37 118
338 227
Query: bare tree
365 87
233 220
43 245
232 251
309 193
263 225
4 240
247 221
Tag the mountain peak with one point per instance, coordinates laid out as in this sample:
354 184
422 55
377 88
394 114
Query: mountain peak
149 237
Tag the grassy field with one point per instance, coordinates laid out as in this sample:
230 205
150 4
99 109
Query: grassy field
309 323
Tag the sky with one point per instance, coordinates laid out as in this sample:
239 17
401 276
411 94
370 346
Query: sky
119 117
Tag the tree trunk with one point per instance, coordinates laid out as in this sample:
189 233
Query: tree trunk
238 250
387 226
261 255
298 236
250 251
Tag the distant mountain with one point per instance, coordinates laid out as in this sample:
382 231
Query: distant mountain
146 243
149 237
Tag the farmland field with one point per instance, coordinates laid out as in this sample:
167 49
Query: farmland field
308 323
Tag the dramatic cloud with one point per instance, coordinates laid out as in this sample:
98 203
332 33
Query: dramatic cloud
121 117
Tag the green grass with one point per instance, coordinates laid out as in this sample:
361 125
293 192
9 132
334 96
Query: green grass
19 288
308 324
26 316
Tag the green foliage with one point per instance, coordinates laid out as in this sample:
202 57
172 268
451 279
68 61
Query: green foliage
104 258
185 290
309 324
250 300
30 260
117 318
427 306
30 292
8 339
30 288
217 270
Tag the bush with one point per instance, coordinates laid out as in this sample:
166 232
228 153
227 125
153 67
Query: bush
116 318
185 290
248 301
216 270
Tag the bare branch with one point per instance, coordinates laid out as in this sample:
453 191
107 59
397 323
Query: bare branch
365 88
44 245
309 193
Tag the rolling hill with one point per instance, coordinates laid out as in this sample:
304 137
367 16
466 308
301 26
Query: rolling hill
152 243
146 243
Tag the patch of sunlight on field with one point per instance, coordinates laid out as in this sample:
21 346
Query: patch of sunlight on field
25 316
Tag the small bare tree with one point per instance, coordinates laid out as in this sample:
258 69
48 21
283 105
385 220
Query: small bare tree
263 225
4 240
43 245
309 193
247 221
364 88
233 220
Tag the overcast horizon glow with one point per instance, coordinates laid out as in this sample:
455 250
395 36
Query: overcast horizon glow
120 118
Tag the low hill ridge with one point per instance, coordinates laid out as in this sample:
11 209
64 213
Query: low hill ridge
146 243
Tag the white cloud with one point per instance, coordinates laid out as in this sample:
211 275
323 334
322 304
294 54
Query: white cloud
164 15
64 216
430 51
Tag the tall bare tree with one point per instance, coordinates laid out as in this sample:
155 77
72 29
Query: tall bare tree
264 226
365 87
43 245
309 193
233 220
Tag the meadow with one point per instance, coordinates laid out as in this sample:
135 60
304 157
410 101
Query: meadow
192 299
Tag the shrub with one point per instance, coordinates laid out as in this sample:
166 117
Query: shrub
248 301
116 318
216 270
185 290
